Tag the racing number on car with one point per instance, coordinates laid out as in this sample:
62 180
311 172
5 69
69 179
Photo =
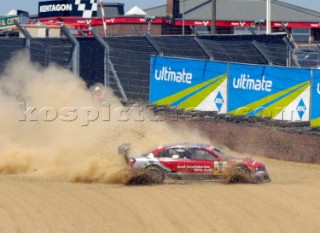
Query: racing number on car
220 167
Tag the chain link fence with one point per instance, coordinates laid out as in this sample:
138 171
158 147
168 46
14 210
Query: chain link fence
8 48
131 55
52 51
126 61
131 59
92 61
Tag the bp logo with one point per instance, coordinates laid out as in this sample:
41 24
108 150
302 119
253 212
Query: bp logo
219 101
301 109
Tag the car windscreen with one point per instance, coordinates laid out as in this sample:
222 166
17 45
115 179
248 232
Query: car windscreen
222 154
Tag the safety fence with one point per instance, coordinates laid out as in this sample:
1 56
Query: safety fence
127 59
52 51
8 48
131 55
123 63
279 93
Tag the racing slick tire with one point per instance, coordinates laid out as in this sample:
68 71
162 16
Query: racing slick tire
155 174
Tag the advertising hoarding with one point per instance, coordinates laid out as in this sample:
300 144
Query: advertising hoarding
276 92
7 22
77 8
189 84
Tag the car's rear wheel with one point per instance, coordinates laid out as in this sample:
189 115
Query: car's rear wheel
155 174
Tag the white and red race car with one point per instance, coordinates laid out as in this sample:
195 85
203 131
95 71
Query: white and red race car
193 162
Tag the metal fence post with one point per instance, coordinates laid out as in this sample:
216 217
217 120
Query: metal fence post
76 50
269 60
204 48
154 45
293 50
107 60
26 35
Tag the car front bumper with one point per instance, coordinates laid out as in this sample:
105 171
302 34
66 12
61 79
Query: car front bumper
260 177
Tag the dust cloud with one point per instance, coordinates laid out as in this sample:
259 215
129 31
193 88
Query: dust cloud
51 127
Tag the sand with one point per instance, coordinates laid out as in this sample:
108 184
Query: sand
290 203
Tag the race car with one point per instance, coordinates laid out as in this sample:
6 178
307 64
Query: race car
190 162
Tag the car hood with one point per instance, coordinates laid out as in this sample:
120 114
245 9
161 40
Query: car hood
249 162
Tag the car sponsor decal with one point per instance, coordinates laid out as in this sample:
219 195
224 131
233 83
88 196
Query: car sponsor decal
220 167
196 168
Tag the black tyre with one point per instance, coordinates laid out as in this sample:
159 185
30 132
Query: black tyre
155 175
240 174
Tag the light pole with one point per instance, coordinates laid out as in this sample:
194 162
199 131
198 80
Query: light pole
183 14
149 19
214 17
268 17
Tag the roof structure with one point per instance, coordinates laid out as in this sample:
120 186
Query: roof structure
241 10
136 11
13 12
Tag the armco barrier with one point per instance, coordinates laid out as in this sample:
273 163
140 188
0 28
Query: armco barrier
278 93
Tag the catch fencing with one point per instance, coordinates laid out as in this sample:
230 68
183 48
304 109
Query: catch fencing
8 48
125 67
52 51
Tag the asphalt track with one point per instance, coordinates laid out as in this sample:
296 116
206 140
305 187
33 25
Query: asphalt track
290 203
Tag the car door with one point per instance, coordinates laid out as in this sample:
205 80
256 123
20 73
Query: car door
175 159
201 162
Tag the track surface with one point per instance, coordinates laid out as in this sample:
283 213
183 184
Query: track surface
290 203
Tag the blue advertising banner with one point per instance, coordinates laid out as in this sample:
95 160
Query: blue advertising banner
315 104
189 84
277 92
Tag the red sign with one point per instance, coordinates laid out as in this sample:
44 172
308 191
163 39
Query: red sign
204 23
81 22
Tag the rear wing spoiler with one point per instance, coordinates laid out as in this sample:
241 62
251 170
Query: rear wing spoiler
123 150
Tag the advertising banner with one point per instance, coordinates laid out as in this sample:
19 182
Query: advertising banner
315 104
276 92
189 84
7 22
78 8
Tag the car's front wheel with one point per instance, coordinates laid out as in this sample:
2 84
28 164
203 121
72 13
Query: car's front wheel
155 174
239 174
